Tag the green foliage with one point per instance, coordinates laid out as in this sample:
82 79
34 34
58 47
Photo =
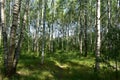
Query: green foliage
65 62
113 42
60 65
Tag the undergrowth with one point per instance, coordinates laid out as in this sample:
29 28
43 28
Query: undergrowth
61 66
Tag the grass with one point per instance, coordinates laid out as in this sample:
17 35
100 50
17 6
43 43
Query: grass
60 66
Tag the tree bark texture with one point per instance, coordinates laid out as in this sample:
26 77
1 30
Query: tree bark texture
98 40
12 46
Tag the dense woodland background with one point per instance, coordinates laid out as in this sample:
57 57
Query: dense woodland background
59 39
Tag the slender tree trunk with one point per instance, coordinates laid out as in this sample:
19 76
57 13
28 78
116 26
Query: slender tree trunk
53 15
80 32
118 3
67 43
18 46
28 28
51 45
109 16
108 27
38 24
91 34
11 54
0 34
85 29
98 40
5 46
117 35
33 42
43 24
36 42
0 27
81 41
62 39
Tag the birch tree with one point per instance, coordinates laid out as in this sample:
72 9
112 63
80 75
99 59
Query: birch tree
85 29
43 26
5 48
0 34
11 53
98 39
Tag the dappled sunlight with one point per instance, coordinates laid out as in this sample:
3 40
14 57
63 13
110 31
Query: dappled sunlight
24 72
0 76
45 75
63 66
60 39
89 62
54 69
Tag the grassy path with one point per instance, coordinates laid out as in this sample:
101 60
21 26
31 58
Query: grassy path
60 67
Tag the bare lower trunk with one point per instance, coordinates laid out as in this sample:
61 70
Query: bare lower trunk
98 40
11 54
43 35
0 26
85 42
51 39
67 43
81 32
38 24
85 30
81 45
0 34
18 47
81 41
5 46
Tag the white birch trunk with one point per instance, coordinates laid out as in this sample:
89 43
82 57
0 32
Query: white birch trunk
4 33
0 35
43 26
98 40
12 45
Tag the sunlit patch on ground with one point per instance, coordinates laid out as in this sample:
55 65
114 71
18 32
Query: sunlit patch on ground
46 75
24 72
57 68
63 66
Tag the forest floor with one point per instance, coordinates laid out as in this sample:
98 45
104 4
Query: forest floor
61 66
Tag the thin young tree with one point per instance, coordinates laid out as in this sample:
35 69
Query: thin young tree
85 29
4 35
98 39
53 15
18 46
43 26
0 26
